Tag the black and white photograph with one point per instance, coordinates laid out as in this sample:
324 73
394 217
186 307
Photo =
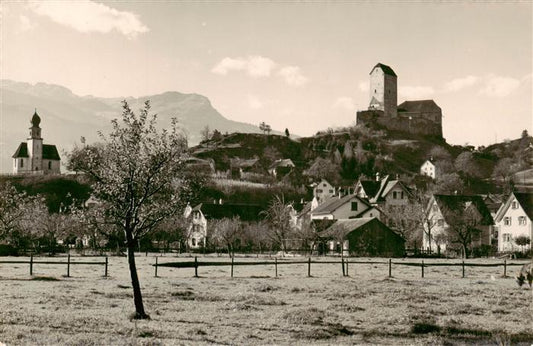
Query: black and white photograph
296 172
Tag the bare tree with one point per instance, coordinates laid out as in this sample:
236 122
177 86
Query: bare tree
227 231
464 226
136 175
279 218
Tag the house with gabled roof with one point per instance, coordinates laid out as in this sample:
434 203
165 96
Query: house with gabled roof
33 156
345 207
281 167
323 190
199 217
385 192
514 219
441 214
363 237
429 168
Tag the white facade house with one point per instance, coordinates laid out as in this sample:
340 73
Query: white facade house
347 207
197 227
441 214
514 219
429 169
323 191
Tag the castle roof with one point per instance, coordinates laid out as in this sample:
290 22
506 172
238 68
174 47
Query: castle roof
420 106
386 69
49 152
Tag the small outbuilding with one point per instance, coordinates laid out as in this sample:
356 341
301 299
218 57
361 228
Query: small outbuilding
364 237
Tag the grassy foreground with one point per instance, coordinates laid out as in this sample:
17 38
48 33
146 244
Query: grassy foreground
255 308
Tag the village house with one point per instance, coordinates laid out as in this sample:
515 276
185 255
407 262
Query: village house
323 190
281 167
345 207
363 237
383 193
35 157
429 169
198 219
514 219
442 214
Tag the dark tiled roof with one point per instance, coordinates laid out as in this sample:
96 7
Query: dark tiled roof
386 69
371 187
526 202
457 203
246 212
22 151
341 228
421 106
50 152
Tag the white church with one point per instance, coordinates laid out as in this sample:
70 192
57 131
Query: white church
35 157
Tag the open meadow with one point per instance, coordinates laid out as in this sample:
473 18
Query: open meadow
255 307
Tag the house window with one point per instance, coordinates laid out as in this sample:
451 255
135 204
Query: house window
506 237
401 195
49 164
514 205
507 221
522 220
354 206
324 185
394 195
440 222
330 191
435 207
193 241
318 190
21 163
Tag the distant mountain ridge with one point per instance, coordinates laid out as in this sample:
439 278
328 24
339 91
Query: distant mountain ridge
66 116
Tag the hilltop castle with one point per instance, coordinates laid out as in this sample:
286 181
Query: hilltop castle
34 156
418 117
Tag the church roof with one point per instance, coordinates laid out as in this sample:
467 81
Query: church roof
49 151
22 151
420 106
386 69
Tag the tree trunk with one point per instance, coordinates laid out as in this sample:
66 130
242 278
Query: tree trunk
137 295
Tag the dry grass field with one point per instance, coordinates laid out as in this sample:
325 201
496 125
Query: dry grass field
255 308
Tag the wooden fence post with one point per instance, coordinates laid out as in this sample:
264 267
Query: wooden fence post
68 265
463 268
309 267
232 258
342 263
276 265
422 268
195 266
155 266
390 267
31 264
347 271
504 268
105 270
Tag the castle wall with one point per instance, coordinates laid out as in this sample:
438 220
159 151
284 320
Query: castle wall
416 125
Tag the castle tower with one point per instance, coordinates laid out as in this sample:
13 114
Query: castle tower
35 144
383 90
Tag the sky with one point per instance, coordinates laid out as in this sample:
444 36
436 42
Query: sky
300 65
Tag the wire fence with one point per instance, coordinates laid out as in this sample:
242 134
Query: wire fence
343 263
32 262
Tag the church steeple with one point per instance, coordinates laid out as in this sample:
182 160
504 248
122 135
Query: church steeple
35 130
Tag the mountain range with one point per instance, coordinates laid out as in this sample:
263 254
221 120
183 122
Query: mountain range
67 117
